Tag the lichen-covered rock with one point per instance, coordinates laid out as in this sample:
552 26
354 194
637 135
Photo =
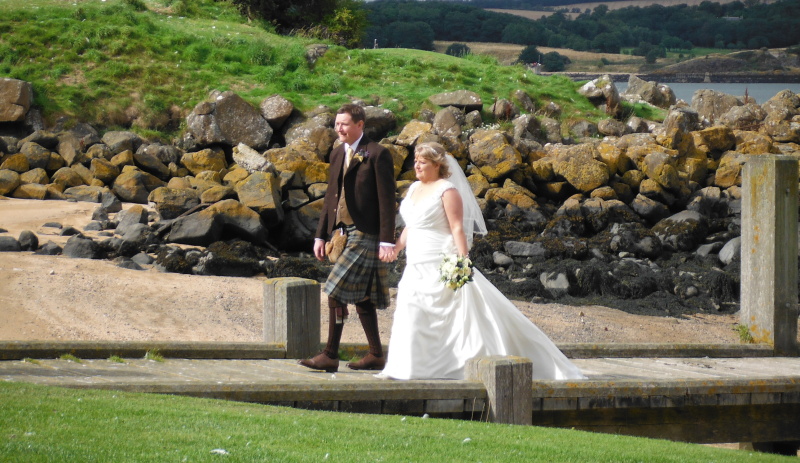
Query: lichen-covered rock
207 226
207 159
104 171
172 202
16 97
9 181
261 192
134 185
492 153
229 120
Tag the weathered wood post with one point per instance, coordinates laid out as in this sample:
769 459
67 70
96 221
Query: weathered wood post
508 387
291 315
769 251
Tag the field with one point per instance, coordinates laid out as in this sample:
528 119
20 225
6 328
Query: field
581 61
611 6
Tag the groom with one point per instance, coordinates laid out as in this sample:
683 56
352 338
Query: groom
359 201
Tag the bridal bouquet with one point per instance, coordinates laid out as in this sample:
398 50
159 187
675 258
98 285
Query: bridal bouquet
455 271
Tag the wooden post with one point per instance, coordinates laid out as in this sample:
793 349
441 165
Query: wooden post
291 315
508 387
769 251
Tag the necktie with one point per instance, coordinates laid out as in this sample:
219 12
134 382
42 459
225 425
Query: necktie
348 157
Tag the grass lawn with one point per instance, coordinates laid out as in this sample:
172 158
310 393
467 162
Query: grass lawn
48 424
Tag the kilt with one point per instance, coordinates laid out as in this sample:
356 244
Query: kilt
359 274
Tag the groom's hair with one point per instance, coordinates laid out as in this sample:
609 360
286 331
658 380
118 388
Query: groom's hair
355 111
435 153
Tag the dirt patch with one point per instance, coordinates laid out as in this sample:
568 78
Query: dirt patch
59 298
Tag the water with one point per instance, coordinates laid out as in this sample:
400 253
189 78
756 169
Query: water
759 92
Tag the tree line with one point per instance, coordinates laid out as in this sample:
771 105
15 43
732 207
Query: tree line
736 25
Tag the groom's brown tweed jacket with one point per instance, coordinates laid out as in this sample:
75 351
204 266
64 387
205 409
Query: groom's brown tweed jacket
369 188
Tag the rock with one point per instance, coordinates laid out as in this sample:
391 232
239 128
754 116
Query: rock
119 141
172 202
126 263
711 105
555 283
261 192
16 97
448 122
745 117
229 120
16 162
276 109
9 181
67 177
492 153
462 99
613 127
37 155
166 154
150 163
237 259
109 202
379 122
80 247
134 215
134 185
504 110
103 170
412 132
9 244
251 160
731 251
649 209
143 259
30 191
49 249
229 216
85 193
207 159
28 240
522 249
136 238
683 231
502 260
650 92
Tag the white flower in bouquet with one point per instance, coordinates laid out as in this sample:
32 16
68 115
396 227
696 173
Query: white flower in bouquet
455 271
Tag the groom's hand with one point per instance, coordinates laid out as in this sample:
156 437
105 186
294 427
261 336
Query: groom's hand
386 253
319 249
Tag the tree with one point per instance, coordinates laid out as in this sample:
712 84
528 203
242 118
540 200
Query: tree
554 62
529 55
457 49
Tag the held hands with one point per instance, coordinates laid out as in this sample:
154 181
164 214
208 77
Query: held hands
387 254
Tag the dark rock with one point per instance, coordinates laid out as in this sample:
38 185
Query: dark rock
235 258
80 247
70 231
28 240
143 259
9 244
49 249
124 262
682 231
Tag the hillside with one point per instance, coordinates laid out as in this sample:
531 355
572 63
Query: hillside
144 66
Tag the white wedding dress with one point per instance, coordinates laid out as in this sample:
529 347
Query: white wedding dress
436 330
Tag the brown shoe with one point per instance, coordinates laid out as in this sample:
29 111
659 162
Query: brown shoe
370 362
321 362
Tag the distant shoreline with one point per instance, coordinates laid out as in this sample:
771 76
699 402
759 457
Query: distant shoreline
721 77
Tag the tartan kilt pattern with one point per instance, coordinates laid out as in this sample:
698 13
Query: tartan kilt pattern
359 274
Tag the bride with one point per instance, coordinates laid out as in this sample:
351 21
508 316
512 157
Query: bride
437 329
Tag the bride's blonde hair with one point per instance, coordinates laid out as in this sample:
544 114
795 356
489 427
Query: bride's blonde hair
435 153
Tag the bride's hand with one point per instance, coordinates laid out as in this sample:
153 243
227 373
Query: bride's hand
386 254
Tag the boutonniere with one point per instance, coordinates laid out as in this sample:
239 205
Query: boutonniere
360 155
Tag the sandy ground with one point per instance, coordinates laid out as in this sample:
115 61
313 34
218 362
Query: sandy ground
60 298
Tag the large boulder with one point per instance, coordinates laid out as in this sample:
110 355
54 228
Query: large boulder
261 192
379 123
134 185
492 152
276 109
119 141
225 219
172 202
462 99
683 231
711 105
209 159
9 181
648 91
228 120
16 97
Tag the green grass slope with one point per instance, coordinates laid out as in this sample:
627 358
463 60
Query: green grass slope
145 63
46 424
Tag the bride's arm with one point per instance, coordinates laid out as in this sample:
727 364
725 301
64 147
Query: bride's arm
454 209
401 242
